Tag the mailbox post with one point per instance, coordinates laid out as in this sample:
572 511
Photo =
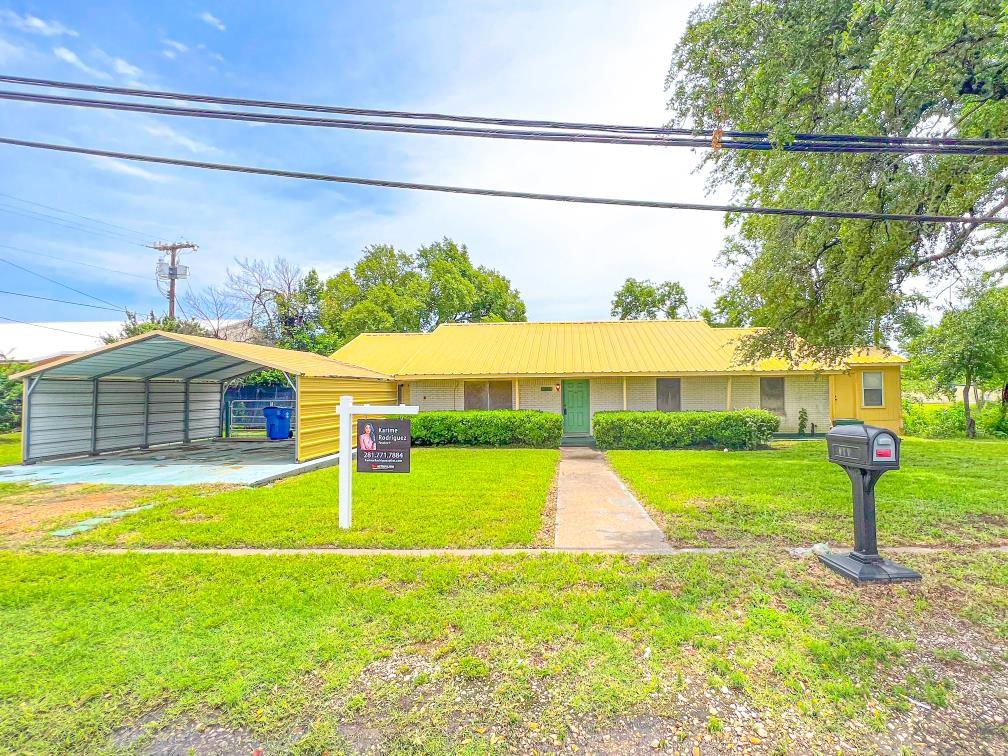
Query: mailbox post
865 453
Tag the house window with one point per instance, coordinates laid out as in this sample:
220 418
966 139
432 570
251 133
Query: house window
771 395
669 395
481 395
872 394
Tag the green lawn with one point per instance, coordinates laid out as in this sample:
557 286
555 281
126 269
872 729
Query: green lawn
10 448
451 497
446 654
948 491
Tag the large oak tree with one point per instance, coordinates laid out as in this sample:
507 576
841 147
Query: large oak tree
871 67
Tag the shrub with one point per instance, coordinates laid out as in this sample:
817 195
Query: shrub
949 420
488 428
736 429
802 421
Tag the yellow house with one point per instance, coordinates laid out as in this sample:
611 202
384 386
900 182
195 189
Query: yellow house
578 369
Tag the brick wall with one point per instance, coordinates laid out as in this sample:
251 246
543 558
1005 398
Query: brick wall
642 394
810 392
704 393
431 396
606 394
532 397
746 392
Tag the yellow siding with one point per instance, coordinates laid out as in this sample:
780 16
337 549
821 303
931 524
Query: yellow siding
317 405
846 398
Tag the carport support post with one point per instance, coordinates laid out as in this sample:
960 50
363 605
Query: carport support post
29 387
345 463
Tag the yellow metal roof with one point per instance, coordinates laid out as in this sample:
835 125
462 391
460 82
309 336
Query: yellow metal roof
384 352
632 347
179 356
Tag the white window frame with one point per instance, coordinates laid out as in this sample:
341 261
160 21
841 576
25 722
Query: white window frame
881 389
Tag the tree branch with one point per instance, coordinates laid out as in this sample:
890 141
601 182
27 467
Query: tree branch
954 246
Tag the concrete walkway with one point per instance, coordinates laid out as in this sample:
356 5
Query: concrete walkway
595 511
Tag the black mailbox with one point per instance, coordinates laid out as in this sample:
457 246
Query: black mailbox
865 453
864 447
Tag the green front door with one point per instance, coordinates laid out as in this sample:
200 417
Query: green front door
577 417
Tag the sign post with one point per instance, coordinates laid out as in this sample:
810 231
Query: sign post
347 410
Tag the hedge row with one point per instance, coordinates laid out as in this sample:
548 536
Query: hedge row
735 429
949 420
488 428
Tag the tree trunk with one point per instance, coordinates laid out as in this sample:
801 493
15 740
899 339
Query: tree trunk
970 422
979 400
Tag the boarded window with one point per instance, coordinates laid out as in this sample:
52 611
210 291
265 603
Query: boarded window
476 395
771 395
669 394
481 395
500 395
871 388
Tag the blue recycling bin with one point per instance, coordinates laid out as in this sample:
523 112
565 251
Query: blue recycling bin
278 423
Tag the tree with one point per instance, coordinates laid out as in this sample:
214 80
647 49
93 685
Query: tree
135 327
645 300
281 305
216 311
872 67
10 396
968 347
389 290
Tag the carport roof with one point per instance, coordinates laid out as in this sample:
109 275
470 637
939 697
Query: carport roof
174 356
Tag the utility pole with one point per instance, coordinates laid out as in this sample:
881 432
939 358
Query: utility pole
170 270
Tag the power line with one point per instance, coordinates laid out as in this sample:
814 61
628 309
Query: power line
50 328
70 288
895 145
77 215
391 184
35 215
524 123
35 253
61 301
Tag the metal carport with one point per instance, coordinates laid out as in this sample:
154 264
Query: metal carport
167 388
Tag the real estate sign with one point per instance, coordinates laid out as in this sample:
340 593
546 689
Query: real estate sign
383 445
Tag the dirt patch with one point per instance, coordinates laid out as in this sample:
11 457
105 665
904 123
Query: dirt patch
26 515
149 735
547 533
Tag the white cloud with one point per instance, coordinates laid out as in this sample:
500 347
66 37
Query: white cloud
34 25
173 48
124 168
209 18
169 134
9 52
126 69
68 56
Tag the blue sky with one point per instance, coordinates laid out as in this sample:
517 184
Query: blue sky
563 60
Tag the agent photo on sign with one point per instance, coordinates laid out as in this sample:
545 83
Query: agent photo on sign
366 440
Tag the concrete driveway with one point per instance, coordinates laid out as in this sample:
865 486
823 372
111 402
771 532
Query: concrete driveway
244 463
